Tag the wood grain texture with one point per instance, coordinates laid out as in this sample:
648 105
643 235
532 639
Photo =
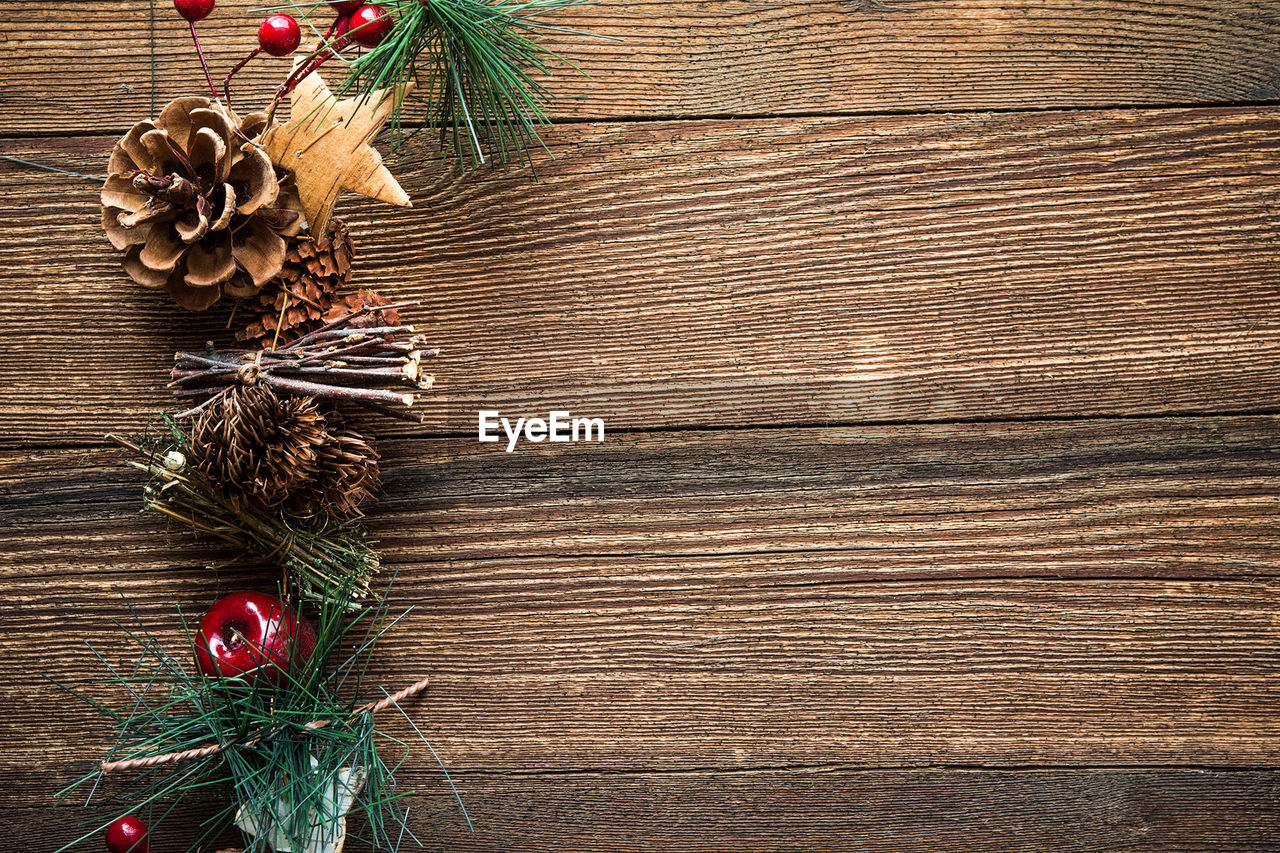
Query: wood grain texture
698 59
743 273
877 811
676 603
1184 498
538 677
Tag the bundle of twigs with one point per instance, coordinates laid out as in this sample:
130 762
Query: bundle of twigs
342 361
327 564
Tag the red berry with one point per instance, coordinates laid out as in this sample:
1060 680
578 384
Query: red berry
346 7
193 10
128 834
279 35
370 25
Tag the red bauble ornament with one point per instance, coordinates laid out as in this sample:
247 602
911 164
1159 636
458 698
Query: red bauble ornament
193 10
250 635
279 35
128 834
370 25
346 7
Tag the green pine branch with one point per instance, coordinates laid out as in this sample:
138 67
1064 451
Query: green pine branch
475 65
275 767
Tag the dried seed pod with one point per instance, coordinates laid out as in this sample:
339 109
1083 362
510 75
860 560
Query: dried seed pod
259 448
347 476
299 300
278 453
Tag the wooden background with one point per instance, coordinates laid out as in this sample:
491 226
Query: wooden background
940 353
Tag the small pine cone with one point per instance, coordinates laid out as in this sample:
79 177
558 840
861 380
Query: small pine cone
258 448
347 477
360 299
305 290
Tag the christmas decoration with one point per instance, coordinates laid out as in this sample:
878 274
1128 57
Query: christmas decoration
301 298
328 147
323 563
198 210
300 756
343 361
207 204
369 25
253 637
271 453
128 835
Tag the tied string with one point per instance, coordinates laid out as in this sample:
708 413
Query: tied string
251 372
215 748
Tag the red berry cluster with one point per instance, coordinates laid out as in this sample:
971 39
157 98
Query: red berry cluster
366 24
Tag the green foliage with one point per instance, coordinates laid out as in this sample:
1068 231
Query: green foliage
280 768
473 63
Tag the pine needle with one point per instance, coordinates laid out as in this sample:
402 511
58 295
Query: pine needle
474 64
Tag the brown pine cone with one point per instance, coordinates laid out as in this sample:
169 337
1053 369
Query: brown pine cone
282 453
260 449
197 208
298 300
347 477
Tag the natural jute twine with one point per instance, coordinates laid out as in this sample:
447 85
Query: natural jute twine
214 749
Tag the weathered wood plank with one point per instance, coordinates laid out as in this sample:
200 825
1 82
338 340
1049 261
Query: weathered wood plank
615 677
787 271
1184 498
708 59
895 811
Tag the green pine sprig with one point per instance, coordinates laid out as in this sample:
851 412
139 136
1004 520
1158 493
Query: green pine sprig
275 767
475 64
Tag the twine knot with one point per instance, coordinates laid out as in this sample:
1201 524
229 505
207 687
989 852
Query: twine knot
251 372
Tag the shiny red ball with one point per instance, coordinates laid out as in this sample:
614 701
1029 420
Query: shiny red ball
370 25
128 835
193 10
346 7
279 35
251 636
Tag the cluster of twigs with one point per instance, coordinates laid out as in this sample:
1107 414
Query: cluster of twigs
298 756
330 563
344 361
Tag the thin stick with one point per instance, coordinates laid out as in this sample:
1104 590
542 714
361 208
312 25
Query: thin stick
215 748
203 63
226 84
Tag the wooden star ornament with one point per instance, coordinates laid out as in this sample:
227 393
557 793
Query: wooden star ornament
327 144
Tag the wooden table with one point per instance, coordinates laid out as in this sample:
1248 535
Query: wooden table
939 351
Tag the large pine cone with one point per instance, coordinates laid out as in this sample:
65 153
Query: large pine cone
281 453
297 301
197 208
